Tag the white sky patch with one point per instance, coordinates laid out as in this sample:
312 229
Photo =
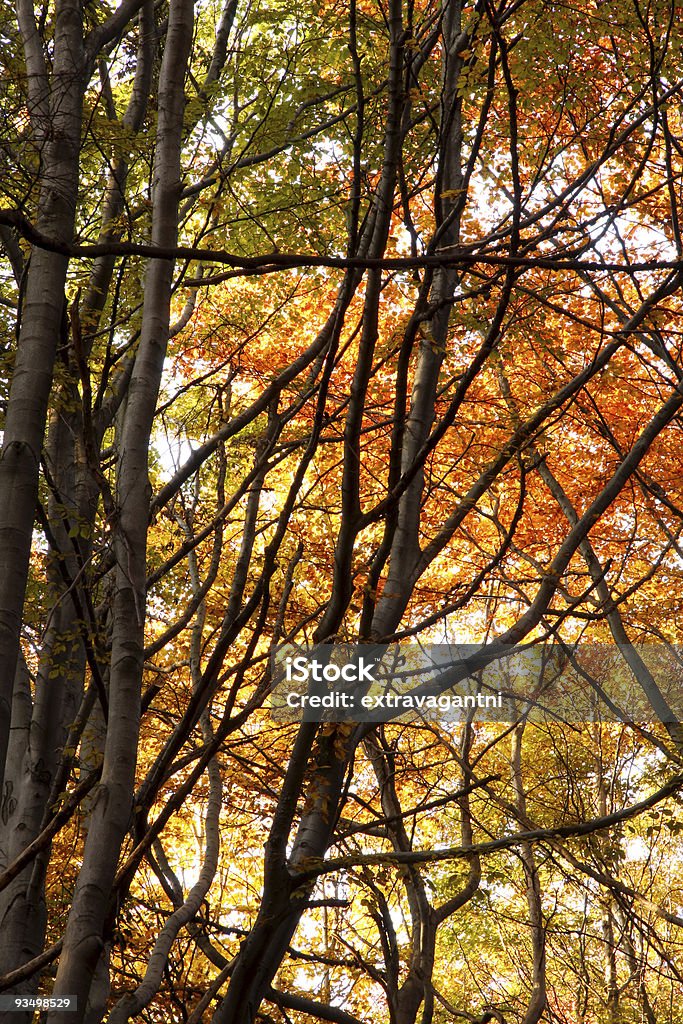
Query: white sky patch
172 452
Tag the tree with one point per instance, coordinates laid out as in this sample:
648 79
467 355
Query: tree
334 323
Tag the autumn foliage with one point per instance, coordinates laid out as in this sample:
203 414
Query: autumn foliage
346 323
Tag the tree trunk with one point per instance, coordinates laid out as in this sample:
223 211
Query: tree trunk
57 131
92 915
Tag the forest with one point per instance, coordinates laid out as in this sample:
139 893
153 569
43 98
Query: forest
343 326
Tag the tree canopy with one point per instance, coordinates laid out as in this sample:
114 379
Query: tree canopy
337 323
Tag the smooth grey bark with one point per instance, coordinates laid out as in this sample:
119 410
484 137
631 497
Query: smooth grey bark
72 468
18 741
58 693
91 912
539 997
56 100
55 104
186 907
132 1003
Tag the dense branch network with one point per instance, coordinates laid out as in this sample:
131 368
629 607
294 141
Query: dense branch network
346 324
